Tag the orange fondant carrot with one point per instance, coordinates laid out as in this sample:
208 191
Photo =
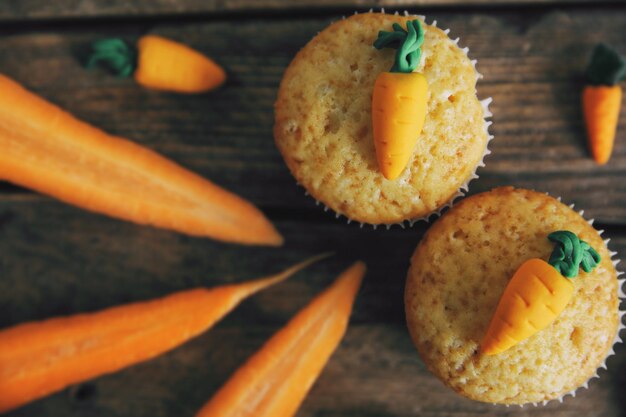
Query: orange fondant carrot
159 63
276 379
48 150
602 100
39 358
399 100
538 293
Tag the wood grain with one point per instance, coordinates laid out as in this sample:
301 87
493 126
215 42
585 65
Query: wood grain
24 10
375 372
57 260
532 66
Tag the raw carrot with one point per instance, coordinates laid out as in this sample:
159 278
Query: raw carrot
159 63
538 293
39 358
399 100
48 150
275 380
602 100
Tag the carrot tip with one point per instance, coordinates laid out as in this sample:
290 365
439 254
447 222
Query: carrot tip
274 279
317 258
275 239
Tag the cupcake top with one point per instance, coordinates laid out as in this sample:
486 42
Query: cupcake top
458 274
324 126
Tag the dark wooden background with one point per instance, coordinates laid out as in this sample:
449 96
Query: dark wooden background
57 260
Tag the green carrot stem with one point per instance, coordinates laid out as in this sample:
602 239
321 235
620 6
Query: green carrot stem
115 54
407 44
606 66
570 253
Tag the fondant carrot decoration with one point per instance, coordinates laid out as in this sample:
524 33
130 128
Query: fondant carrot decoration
160 64
276 379
399 100
48 150
39 358
602 100
538 292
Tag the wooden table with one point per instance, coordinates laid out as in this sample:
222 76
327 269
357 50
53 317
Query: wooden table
58 260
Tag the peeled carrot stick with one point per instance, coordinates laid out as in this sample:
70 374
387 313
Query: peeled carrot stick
39 358
159 63
48 150
274 381
538 292
399 100
602 100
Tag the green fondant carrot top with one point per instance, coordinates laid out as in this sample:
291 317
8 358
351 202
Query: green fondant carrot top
407 44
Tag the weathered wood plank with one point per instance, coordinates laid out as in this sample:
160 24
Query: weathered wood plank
375 372
24 10
531 63
56 260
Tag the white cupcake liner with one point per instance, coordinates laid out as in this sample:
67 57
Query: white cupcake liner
620 295
464 188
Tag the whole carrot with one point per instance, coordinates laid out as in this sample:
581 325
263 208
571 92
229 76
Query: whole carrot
399 100
159 63
39 358
48 150
538 292
602 100
275 380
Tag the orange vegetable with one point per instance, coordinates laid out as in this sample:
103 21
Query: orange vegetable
274 381
602 100
39 358
538 293
48 150
159 63
399 101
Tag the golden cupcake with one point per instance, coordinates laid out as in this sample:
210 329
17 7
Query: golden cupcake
384 163
512 298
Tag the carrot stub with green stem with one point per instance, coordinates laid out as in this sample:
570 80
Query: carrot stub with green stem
45 148
602 100
40 358
399 100
274 382
159 63
538 292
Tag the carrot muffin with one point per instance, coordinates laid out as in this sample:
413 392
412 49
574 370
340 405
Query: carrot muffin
324 122
460 284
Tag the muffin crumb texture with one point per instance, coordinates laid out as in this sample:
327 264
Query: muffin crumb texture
456 278
323 123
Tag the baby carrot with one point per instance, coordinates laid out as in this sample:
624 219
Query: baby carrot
159 63
39 358
538 292
275 380
602 100
50 151
399 100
